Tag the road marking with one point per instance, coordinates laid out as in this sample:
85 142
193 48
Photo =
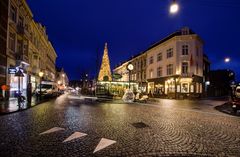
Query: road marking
103 144
55 129
74 136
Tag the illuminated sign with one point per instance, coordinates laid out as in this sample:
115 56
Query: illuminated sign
12 70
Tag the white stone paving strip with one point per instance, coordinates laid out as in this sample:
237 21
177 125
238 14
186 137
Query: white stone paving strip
103 144
74 136
55 129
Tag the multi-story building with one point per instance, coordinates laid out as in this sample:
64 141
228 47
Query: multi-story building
42 56
61 77
3 40
19 19
24 46
138 74
174 65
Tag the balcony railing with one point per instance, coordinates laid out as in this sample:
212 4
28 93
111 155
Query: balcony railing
186 74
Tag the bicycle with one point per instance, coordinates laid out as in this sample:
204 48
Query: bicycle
21 100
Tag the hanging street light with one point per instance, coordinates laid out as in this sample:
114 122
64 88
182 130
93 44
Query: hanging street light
174 7
227 60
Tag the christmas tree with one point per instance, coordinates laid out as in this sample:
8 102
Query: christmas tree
105 70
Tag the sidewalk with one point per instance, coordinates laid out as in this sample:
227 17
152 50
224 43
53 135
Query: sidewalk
12 105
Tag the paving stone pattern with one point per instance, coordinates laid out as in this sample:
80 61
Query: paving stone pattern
174 128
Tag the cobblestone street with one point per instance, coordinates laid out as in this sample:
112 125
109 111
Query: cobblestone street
164 128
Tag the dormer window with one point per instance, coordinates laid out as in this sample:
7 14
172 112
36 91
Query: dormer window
185 31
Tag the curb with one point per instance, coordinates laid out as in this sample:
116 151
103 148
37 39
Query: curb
224 108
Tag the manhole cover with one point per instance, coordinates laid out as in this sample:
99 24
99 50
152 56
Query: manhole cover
140 125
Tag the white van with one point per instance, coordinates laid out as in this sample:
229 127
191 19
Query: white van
47 89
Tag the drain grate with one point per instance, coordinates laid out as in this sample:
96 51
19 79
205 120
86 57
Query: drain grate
140 125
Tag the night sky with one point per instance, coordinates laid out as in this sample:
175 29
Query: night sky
78 29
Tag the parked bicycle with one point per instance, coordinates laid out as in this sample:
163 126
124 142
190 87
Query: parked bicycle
21 99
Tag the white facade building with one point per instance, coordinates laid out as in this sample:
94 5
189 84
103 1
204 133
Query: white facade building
174 66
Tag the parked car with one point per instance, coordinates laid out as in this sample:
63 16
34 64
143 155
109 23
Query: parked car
47 89
236 99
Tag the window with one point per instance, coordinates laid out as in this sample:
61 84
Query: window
138 76
11 41
20 21
13 13
144 62
19 46
185 88
170 53
139 65
197 68
169 69
184 67
159 57
144 75
185 50
151 73
197 51
151 60
159 71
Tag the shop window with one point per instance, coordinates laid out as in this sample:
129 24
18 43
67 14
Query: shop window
185 88
192 88
197 87
178 88
184 50
200 88
171 88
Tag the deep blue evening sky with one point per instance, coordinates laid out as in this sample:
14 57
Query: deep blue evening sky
78 29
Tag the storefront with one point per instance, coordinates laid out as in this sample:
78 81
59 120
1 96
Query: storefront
14 84
116 88
175 87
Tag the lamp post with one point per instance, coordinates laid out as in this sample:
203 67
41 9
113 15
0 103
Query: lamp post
129 68
40 86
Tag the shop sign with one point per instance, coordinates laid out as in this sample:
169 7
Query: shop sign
117 76
12 70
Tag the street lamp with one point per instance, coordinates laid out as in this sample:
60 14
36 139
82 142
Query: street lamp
40 86
174 7
227 60
129 68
